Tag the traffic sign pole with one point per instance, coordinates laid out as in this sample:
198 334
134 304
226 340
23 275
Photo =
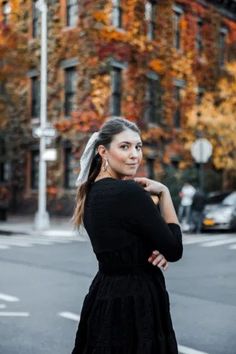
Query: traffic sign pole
201 151
42 217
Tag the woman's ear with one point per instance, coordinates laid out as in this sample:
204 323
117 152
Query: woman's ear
102 151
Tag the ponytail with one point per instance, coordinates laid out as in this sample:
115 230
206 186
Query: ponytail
82 191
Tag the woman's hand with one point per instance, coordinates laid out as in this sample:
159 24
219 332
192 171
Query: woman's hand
157 259
151 186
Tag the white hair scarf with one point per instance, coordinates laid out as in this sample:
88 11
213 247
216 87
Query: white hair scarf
86 159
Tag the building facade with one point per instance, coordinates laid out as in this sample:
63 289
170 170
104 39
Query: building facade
149 61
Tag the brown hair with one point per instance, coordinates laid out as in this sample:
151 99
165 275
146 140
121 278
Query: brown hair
109 129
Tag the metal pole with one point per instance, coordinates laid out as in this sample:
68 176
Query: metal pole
42 217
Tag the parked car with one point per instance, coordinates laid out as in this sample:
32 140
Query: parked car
221 215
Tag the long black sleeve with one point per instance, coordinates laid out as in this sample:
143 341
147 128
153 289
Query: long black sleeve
142 215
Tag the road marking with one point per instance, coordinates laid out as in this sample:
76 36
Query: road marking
8 298
232 247
186 350
192 240
18 243
219 242
14 314
2 306
4 247
70 316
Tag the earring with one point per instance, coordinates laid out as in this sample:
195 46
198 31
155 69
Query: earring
105 166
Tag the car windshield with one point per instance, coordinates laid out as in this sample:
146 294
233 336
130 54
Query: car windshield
230 200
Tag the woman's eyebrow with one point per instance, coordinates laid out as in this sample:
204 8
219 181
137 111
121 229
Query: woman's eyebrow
128 142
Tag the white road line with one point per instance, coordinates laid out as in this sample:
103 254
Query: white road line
14 314
219 242
8 298
202 240
186 350
232 247
17 243
2 306
70 316
4 247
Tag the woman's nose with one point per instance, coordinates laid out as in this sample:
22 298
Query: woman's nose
134 153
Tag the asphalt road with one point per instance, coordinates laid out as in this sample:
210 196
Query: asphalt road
43 282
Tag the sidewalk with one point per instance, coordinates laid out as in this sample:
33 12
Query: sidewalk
59 226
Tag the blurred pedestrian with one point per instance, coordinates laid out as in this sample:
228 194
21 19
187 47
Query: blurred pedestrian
198 204
126 309
186 194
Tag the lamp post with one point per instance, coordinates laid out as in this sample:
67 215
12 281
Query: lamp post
42 217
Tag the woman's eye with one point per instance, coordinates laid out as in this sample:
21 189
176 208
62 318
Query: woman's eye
139 147
124 147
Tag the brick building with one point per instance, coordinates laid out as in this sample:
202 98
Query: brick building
149 61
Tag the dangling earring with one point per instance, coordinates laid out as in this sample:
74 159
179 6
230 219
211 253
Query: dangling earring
105 166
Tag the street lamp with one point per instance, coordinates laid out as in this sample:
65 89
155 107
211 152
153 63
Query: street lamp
42 217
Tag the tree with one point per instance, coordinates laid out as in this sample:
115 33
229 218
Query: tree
215 119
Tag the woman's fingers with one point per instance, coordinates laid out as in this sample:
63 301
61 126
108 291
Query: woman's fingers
157 259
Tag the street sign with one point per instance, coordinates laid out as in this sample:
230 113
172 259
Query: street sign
50 155
201 150
48 132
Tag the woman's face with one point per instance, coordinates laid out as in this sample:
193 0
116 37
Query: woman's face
124 154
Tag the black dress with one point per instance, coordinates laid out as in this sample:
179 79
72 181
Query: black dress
126 310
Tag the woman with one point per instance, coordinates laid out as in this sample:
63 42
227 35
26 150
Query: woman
126 310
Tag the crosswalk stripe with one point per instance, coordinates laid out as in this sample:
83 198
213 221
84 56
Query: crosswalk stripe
9 298
4 247
185 350
232 247
201 239
2 306
70 316
219 242
14 314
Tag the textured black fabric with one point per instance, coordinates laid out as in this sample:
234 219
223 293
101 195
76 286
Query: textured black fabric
126 310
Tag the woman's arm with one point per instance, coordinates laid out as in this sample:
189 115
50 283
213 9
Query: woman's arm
145 219
165 202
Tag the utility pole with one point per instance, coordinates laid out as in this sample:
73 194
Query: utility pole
42 217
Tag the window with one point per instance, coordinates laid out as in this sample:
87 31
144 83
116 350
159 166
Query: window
153 99
35 20
34 169
72 10
199 96
4 165
150 16
70 176
116 14
70 90
6 10
2 88
35 97
222 45
178 87
199 37
116 91
178 12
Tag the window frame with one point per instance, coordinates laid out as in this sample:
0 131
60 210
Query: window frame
35 96
116 90
35 20
69 183
34 169
150 16
223 33
177 37
199 37
177 116
153 98
116 17
70 88
72 15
